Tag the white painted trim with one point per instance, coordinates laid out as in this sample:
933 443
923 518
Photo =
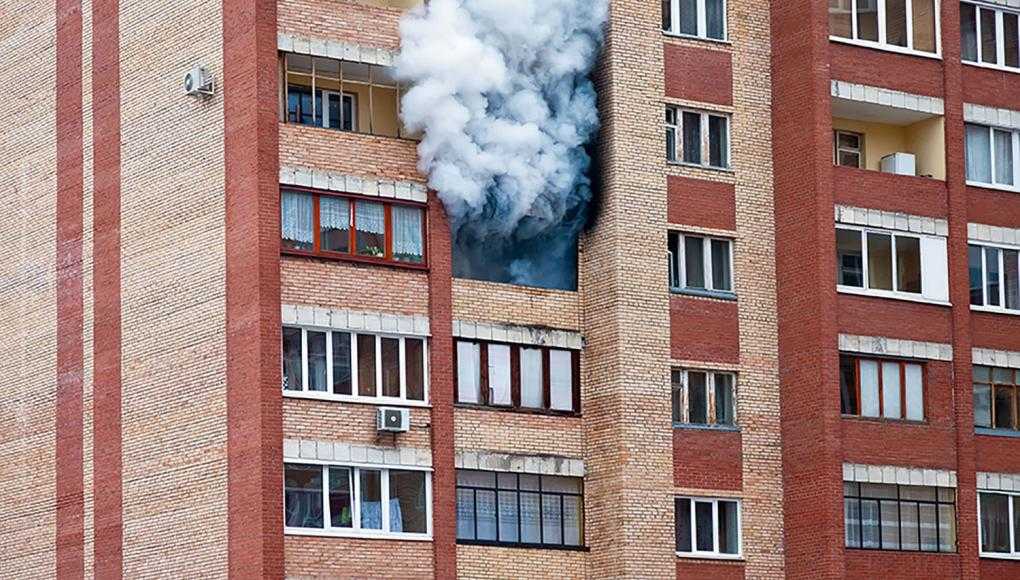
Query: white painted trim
995 358
357 184
340 533
355 455
997 186
991 116
1002 3
495 332
881 345
893 474
887 97
888 294
338 319
895 221
993 234
892 47
513 463
335 50
990 481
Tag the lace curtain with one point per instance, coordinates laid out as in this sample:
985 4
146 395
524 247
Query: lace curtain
334 213
979 147
407 238
296 217
370 217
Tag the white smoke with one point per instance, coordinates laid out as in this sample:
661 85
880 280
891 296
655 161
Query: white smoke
500 93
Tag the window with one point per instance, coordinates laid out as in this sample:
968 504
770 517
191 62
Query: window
519 509
698 263
707 528
518 377
351 366
989 36
883 262
849 149
889 389
342 95
701 18
697 138
902 25
338 226
704 398
995 398
992 156
994 278
357 500
880 516
999 524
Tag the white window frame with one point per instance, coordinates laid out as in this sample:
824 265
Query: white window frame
355 530
837 148
685 397
894 293
985 307
881 44
991 151
702 33
1014 553
678 265
715 554
379 399
706 146
343 97
1000 37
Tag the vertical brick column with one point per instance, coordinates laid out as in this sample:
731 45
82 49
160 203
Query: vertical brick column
805 271
625 320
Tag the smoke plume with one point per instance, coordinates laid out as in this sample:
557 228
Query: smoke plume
501 95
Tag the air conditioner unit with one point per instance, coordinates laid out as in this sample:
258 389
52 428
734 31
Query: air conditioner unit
198 82
900 164
393 420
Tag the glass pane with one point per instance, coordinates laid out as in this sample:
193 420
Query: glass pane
1011 36
407 234
869 388
335 224
688 17
390 352
317 361
852 522
414 355
468 372
370 229
849 159
848 385
692 137
869 523
916 492
573 520
715 18
303 496
910 533
561 380
896 22
529 482
667 15
879 490
915 392
370 502
552 520
890 524
296 221
849 258
880 261
867 20
908 264
891 391
703 526
840 18
1003 410
1011 278
728 527
694 261
670 143
988 36
560 484
979 154
508 516
678 385
1003 157
407 502
994 522
947 528
721 266
292 359
968 32
718 142
724 405
924 25
532 393
472 478
341 363
928 517
485 514
340 498
531 531
697 398
499 374
975 256
683 524
982 405
465 514
674 259
366 365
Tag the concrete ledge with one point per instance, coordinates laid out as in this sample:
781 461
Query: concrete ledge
996 358
898 475
983 115
506 462
887 97
415 325
518 334
358 184
895 347
993 234
998 481
340 453
903 222
336 50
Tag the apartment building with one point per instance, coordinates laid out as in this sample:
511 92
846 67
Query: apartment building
235 345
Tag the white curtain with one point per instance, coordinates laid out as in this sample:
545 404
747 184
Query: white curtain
334 213
869 388
296 217
407 230
370 217
532 396
1003 157
979 159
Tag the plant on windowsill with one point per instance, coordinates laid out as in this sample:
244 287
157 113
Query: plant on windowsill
373 251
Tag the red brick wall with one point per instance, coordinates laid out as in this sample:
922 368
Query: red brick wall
995 331
701 203
704 330
998 569
872 564
993 88
707 459
996 454
708 570
993 207
868 316
877 190
698 74
879 68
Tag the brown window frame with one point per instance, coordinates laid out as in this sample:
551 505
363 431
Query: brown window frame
515 379
994 385
856 361
351 256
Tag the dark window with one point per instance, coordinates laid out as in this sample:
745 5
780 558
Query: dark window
890 389
518 377
704 398
998 532
995 398
899 517
707 527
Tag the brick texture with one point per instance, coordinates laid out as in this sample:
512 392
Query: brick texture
702 203
705 459
698 74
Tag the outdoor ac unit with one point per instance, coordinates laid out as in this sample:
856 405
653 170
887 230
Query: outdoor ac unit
394 420
199 82
900 164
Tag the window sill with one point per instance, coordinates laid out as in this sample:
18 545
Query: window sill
885 294
998 67
355 259
994 310
995 186
724 170
699 427
887 47
990 432
378 401
885 420
522 411
716 294
709 556
335 533
993 556
494 544
680 36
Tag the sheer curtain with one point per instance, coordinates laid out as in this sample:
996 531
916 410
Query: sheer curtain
979 161
1003 157
407 238
296 218
370 218
334 213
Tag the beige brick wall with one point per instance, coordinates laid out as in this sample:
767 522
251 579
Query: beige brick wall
484 562
520 305
349 423
342 21
346 285
28 292
308 557
349 153
174 395
511 432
